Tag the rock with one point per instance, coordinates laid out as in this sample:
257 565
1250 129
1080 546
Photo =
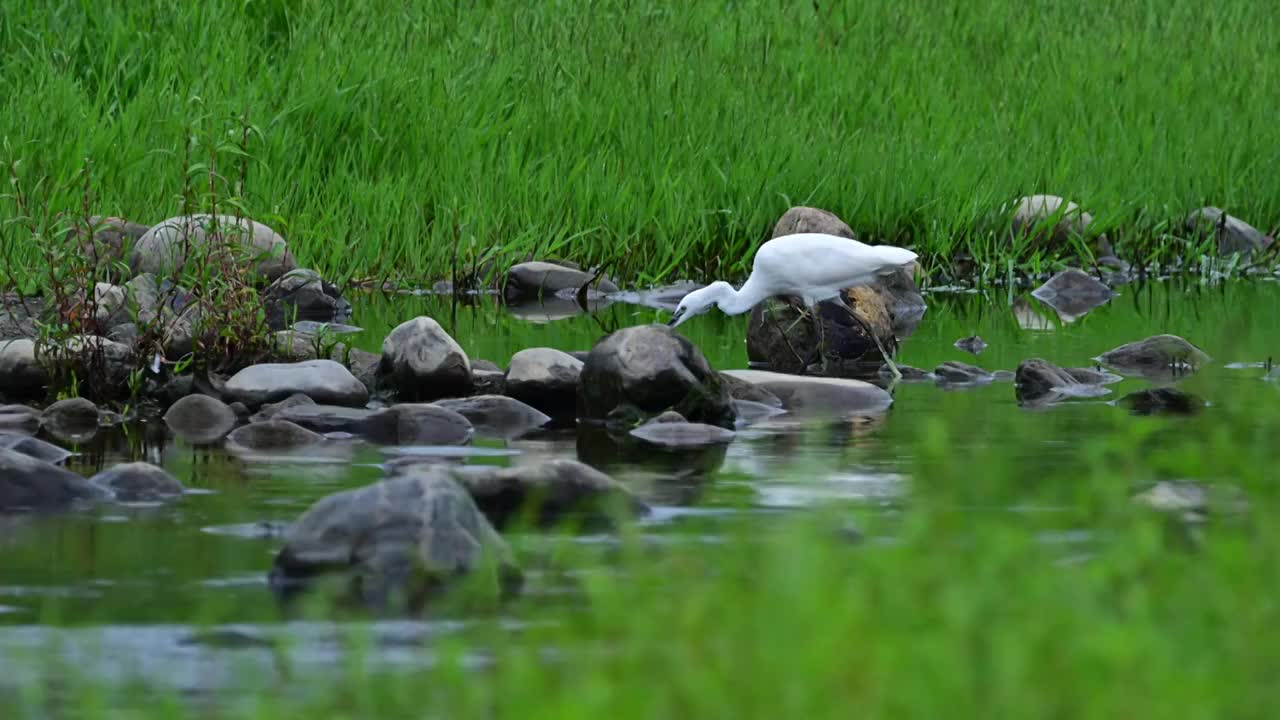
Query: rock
18 316
486 366
272 435
138 482
100 364
742 390
681 434
497 415
302 294
1054 223
958 373
1233 234
801 219
909 374
1089 376
200 419
1162 401
21 373
537 280
19 418
548 493
670 416
328 418
144 296
364 365
34 447
324 381
849 348
972 344
106 241
425 424
111 306
487 382
242 411
407 535
72 420
1072 293
546 379
423 363
1040 382
1158 357
751 412
30 484
843 396
270 410
163 246
125 334
643 370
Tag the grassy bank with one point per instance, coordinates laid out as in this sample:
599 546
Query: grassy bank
391 136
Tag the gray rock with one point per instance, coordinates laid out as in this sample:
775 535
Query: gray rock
546 379
138 482
958 373
781 334
682 434
242 411
537 280
751 412
1039 382
72 420
422 362
162 248
909 374
106 241
302 294
30 484
668 417
548 493
324 381
1072 293
19 418
34 447
1233 234
1162 401
403 536
802 219
422 424
111 307
1159 357
364 365
270 410
497 415
485 365
972 344
1054 223
21 373
100 363
144 295
742 390
841 396
643 370
124 333
488 382
200 419
328 418
272 435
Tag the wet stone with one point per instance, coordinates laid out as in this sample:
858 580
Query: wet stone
958 373
680 434
200 419
422 362
34 447
30 484
497 415
548 493
273 435
841 396
1158 358
972 344
73 419
1072 293
324 381
546 379
138 482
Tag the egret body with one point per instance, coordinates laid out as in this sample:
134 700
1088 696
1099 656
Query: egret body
811 266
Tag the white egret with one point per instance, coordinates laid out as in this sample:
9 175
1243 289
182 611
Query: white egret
811 266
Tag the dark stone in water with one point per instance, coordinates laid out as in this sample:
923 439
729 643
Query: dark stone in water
402 537
30 484
750 412
200 419
958 373
538 280
546 379
1073 293
273 435
488 382
742 390
302 294
422 362
270 410
71 420
327 418
1161 357
643 370
1162 401
417 424
1233 234
1040 382
34 447
138 482
497 415
972 344
909 374
678 434
548 493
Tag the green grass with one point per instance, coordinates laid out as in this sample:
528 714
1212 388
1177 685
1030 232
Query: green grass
658 140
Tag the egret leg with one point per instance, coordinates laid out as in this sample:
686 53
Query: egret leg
818 327
888 359
783 334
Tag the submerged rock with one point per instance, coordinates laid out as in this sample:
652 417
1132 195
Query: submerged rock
407 535
418 424
497 415
843 396
162 248
546 379
1158 357
909 374
1039 382
641 371
1055 223
1072 293
34 447
422 362
1162 401
19 418
272 435
106 241
740 389
548 493
324 381
72 420
1233 234
138 482
783 335
303 294
270 410
200 419
30 484
680 434
537 280
750 412
973 345
958 373
328 418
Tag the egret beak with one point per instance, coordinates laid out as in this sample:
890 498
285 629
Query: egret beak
677 318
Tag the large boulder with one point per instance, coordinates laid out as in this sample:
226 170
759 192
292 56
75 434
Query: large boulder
138 482
547 493
1055 223
641 371
422 362
163 247
406 536
200 419
497 415
546 379
302 294
1233 235
1158 357
324 381
21 372
842 396
30 484
538 280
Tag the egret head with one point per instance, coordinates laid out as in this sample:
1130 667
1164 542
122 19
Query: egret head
699 301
